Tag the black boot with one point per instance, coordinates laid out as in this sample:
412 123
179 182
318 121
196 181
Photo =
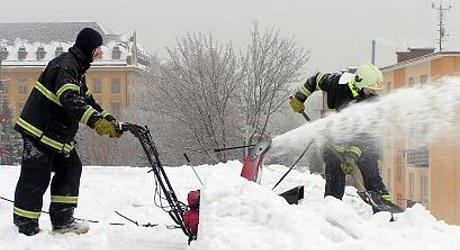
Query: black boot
26 226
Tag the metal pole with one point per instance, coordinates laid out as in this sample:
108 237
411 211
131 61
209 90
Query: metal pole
373 52
441 30
1 106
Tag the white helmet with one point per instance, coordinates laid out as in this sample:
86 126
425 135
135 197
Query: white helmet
368 76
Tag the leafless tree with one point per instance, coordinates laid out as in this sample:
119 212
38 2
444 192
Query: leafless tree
202 96
10 139
97 150
271 63
193 89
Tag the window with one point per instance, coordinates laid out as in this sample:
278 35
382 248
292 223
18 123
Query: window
389 184
22 86
116 85
411 81
116 52
424 79
3 87
399 166
411 186
115 109
425 189
4 52
418 157
399 199
400 172
388 87
412 143
59 50
97 86
417 152
40 53
22 53
417 136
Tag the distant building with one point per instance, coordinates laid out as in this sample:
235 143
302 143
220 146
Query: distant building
26 48
430 174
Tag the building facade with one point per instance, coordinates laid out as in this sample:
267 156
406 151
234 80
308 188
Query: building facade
427 174
26 48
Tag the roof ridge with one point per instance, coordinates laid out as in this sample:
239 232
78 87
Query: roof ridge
46 31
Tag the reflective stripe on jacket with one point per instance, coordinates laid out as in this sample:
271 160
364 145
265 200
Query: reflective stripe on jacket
58 102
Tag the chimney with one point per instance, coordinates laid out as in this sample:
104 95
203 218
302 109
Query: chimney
413 53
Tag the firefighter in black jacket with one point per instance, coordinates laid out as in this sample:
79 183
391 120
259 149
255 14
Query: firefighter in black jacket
59 101
361 151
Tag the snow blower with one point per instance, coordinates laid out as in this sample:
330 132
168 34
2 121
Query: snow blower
177 210
186 216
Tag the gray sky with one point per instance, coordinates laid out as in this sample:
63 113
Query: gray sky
339 33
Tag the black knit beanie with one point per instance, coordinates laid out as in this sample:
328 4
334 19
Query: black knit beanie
87 40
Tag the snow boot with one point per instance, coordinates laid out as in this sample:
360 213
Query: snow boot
29 230
72 227
26 226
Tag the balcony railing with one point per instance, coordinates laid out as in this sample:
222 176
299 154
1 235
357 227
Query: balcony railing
419 157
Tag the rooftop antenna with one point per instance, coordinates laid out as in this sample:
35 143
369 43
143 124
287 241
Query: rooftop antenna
441 29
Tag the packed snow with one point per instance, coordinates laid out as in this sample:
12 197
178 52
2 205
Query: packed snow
239 214
234 214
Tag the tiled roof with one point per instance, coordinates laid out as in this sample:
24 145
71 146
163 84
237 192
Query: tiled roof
47 32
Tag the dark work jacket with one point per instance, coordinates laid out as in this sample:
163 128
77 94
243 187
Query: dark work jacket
58 102
340 93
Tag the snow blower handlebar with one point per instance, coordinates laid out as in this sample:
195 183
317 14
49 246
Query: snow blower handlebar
230 148
176 208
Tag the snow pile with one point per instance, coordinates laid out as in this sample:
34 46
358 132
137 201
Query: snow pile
235 214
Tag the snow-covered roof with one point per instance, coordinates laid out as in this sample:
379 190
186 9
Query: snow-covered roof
420 59
53 35
47 32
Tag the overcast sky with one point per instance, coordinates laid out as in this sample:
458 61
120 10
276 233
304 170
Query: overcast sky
339 33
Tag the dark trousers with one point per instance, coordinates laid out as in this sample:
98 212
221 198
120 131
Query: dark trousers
38 163
367 163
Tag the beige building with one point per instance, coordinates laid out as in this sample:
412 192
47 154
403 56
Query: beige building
426 174
26 48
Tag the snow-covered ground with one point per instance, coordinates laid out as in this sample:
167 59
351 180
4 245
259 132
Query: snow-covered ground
235 214
238 214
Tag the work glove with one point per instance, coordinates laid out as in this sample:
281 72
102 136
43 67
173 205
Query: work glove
348 162
109 128
296 104
117 128
348 165
110 118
